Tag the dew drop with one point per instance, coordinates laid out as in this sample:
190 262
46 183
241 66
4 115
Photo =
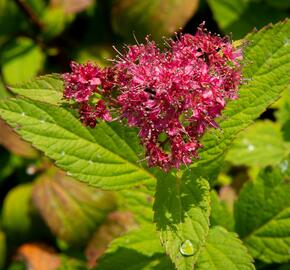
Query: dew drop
251 148
284 166
31 170
23 114
186 248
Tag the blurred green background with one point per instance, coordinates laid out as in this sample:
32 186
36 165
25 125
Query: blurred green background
50 221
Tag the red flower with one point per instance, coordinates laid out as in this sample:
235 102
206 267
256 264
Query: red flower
89 113
173 96
82 81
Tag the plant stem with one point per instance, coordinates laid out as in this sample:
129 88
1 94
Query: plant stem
30 14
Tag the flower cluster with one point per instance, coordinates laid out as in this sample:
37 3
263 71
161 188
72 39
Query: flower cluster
81 85
172 96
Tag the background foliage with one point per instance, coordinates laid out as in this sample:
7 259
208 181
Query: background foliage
51 221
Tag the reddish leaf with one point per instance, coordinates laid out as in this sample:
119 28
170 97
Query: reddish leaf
116 224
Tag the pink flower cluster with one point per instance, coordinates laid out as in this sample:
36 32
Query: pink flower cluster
172 96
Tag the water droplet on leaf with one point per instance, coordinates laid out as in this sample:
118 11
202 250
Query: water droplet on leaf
284 166
186 248
251 148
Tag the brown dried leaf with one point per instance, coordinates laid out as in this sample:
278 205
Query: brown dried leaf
228 195
12 142
154 17
38 257
71 209
116 224
71 6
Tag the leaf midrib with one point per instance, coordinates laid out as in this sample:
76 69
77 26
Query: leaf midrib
253 232
94 141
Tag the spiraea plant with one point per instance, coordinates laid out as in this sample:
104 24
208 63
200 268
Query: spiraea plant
157 127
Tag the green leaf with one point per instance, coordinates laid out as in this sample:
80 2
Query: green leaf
17 266
68 263
182 209
286 125
16 208
21 60
240 16
144 17
106 156
55 21
279 3
224 251
262 215
283 100
261 144
8 164
37 6
220 214
47 88
20 220
283 113
3 91
12 20
139 249
138 201
268 64
284 267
